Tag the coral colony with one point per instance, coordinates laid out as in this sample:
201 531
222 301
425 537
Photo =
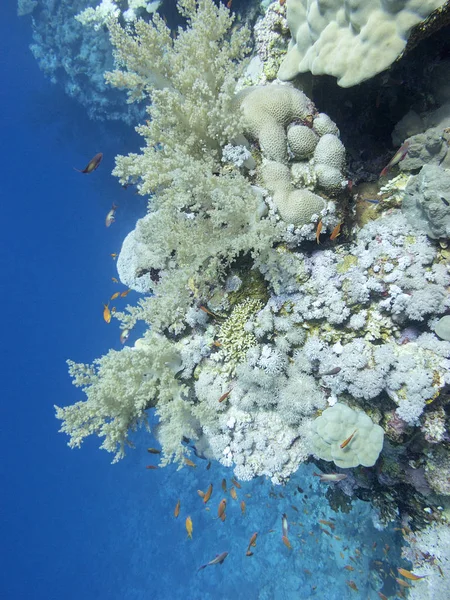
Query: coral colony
282 326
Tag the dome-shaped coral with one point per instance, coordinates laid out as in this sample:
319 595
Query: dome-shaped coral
302 140
335 426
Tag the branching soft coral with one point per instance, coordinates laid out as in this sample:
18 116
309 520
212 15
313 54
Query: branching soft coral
119 387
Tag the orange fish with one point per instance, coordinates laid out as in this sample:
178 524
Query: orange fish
336 232
115 295
318 230
110 218
224 396
236 483
352 584
114 256
189 462
124 336
251 543
349 568
402 583
348 440
176 512
221 509
189 527
125 293
115 280
208 493
106 313
286 542
243 507
329 523
409 575
224 485
151 467
92 164
382 596
229 3
233 493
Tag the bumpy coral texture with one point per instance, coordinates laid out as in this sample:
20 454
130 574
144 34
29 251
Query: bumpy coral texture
352 41
335 426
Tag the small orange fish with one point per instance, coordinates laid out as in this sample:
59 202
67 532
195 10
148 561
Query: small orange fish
382 596
115 295
349 568
106 313
252 542
189 527
208 493
329 523
243 507
402 582
348 440
176 512
114 279
124 336
110 217
114 256
409 575
153 451
189 462
325 531
125 293
224 396
229 3
336 232
352 584
224 485
318 230
286 542
233 493
151 467
221 509
282 2
92 164
236 483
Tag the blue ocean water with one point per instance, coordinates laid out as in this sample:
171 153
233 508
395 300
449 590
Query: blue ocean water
73 525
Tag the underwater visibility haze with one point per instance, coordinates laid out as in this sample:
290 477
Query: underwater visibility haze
231 219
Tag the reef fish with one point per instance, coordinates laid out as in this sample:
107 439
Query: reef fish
221 509
124 336
409 575
398 156
176 512
284 525
233 493
106 313
92 164
330 477
318 230
207 496
153 451
348 440
189 527
286 542
215 561
336 232
243 507
110 217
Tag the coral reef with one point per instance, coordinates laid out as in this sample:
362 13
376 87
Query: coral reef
269 341
351 41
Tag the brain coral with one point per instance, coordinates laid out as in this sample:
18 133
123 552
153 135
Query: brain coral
337 424
352 41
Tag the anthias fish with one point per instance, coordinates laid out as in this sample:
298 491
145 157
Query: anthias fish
207 496
348 440
284 525
106 313
176 512
409 575
92 164
215 561
189 527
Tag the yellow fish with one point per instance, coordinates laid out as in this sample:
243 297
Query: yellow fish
106 313
409 575
207 496
189 527
189 462
116 295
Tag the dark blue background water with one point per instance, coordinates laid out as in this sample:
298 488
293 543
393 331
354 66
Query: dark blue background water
73 525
